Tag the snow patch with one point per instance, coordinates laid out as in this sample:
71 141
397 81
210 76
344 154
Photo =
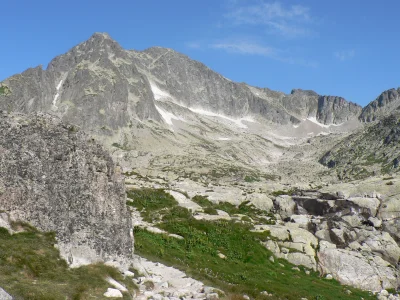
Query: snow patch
158 94
167 116
314 120
223 139
238 122
57 94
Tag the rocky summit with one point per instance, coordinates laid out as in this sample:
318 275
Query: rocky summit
226 181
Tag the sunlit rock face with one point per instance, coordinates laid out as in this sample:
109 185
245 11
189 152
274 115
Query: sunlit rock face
58 179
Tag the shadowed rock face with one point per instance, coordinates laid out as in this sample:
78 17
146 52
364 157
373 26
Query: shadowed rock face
326 109
336 110
97 84
56 178
387 102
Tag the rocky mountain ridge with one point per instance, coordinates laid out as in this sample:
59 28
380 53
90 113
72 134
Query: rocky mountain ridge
132 101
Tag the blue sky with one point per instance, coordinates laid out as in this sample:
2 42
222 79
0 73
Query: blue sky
344 48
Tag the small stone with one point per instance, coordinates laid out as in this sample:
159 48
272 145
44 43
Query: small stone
284 250
296 269
307 272
212 296
246 297
208 290
164 285
129 274
220 255
329 277
113 293
272 259
347 292
157 297
384 293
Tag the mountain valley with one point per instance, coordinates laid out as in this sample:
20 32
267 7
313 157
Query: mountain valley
152 163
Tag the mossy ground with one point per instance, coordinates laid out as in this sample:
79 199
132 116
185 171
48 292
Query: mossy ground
246 268
31 268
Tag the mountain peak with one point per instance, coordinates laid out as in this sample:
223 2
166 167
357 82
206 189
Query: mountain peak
101 36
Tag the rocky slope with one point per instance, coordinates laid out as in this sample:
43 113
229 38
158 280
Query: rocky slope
58 179
371 151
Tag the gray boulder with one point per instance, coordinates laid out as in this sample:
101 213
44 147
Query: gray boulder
351 268
4 295
56 178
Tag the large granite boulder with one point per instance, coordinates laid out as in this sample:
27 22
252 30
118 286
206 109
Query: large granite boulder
352 268
56 178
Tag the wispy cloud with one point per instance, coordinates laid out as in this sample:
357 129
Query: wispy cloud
242 47
345 54
287 21
193 45
252 48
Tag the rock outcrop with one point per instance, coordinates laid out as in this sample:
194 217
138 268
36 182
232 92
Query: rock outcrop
352 237
371 151
386 103
55 177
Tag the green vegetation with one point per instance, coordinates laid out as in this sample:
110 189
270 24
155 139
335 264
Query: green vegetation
152 204
246 268
202 201
289 192
245 208
31 268
248 178
4 90
119 146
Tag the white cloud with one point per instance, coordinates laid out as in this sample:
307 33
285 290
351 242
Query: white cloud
243 47
253 48
344 54
193 45
287 21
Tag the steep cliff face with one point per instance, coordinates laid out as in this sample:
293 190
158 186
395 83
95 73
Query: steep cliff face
383 105
325 109
336 110
53 176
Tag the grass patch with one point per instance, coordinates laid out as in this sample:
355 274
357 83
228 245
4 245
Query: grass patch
152 203
202 201
4 90
248 178
289 192
31 268
245 208
246 268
